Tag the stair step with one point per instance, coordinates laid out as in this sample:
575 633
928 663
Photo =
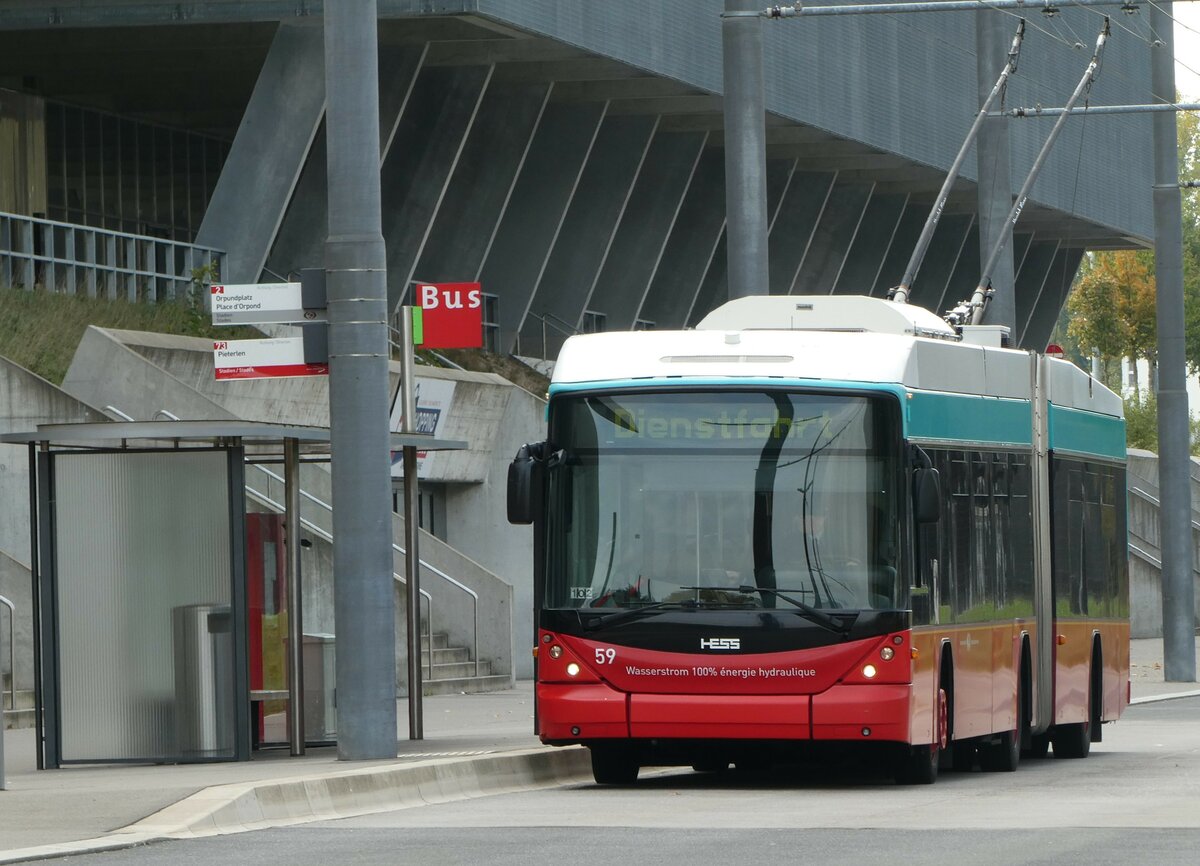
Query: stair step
446 656
467 685
456 670
440 640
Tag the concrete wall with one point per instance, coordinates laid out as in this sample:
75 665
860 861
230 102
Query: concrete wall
1145 569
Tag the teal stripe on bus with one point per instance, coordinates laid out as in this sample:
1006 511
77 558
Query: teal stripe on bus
969 418
1086 432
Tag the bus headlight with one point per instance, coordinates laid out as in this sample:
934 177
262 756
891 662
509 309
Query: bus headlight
573 669
887 653
556 652
869 671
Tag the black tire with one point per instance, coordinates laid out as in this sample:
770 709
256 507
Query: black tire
1075 740
614 765
1072 741
916 765
1039 747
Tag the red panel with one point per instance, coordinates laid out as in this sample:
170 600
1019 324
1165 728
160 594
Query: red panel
596 710
842 712
784 673
775 717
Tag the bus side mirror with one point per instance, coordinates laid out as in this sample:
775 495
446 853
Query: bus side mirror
526 479
927 495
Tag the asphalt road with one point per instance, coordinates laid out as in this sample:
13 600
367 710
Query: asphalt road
1135 800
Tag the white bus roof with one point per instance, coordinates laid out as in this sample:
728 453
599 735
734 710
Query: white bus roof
841 339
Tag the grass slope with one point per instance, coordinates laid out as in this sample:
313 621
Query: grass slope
40 330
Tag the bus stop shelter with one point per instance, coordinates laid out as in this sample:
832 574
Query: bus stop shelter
138 557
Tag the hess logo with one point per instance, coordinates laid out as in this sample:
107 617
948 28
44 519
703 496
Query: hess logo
720 643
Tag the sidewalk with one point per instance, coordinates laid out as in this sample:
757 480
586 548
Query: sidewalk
1146 671
474 744
465 735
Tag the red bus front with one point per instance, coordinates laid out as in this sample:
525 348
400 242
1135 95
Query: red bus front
723 570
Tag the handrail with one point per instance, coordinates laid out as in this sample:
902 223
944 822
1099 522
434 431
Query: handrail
12 656
116 411
1153 500
430 568
561 325
316 530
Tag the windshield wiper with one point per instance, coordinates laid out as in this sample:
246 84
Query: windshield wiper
596 621
818 616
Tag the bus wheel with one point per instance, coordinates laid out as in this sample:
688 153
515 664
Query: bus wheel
1072 741
1039 746
614 765
1004 754
1075 740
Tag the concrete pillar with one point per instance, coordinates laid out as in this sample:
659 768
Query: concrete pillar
689 249
871 244
268 153
1053 296
642 234
831 241
588 229
795 223
536 207
482 180
1030 283
300 241
424 150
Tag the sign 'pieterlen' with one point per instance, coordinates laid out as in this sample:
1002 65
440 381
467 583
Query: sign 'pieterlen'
450 315
263 359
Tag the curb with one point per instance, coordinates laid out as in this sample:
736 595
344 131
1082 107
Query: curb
246 806
1150 699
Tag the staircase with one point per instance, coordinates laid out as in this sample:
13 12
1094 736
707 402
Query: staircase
453 670
22 715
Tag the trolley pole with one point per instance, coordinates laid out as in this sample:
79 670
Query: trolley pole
745 148
355 261
1174 467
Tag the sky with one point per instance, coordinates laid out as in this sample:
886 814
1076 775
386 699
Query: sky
1187 50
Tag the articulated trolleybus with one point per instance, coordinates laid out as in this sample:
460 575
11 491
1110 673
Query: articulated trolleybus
829 521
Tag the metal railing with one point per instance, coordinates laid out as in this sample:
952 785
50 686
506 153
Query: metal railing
437 572
78 259
12 658
548 320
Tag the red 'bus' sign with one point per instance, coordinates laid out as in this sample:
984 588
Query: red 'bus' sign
451 314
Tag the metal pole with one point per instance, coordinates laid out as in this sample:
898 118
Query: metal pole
745 151
295 606
979 298
355 259
993 169
900 293
1174 468
412 533
799 10
1101 109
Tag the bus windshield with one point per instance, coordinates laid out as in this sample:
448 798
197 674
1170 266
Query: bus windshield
729 499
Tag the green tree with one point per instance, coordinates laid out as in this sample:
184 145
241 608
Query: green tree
1112 307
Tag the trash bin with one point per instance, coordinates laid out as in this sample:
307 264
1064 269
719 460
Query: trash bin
202 637
320 688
